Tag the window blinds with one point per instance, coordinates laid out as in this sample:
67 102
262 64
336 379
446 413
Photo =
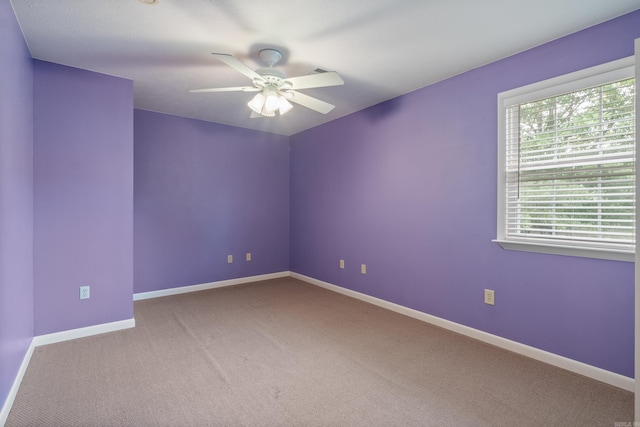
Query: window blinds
570 168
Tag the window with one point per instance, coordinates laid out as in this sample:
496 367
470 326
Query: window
567 164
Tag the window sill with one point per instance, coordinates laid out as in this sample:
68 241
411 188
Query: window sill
610 254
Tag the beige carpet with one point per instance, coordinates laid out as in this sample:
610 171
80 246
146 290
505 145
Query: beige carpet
286 353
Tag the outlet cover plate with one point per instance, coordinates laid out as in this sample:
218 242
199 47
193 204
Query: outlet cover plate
489 297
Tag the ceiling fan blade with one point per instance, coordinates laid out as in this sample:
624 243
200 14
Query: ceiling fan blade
328 78
237 65
309 102
226 89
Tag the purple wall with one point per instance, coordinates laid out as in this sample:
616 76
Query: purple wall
409 188
375 187
204 191
16 199
83 197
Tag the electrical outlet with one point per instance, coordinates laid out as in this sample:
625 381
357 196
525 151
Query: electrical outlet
489 297
229 259
342 264
363 268
248 256
85 292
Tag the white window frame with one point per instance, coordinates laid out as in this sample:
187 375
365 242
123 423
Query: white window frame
594 76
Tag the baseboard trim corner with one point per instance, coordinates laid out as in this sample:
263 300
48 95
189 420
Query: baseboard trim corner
13 392
571 365
83 332
205 286
56 337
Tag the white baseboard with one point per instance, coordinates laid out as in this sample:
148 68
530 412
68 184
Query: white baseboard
599 374
596 373
210 285
39 340
112 327
8 403
83 332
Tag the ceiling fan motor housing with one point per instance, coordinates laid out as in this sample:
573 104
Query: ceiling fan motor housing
272 77
273 81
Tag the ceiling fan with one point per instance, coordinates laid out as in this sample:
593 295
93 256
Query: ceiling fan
274 88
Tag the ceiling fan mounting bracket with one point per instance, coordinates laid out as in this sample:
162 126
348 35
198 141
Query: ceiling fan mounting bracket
270 56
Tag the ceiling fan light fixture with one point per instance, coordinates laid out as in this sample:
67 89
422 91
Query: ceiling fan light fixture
270 103
257 103
284 105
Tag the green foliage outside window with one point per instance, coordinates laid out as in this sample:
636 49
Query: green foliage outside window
572 168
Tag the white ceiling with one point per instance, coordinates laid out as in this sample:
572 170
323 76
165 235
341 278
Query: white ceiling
381 48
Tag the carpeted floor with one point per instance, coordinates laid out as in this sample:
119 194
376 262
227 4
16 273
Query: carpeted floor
286 353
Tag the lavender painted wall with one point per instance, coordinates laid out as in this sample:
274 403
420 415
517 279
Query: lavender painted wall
16 199
83 197
409 188
204 191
